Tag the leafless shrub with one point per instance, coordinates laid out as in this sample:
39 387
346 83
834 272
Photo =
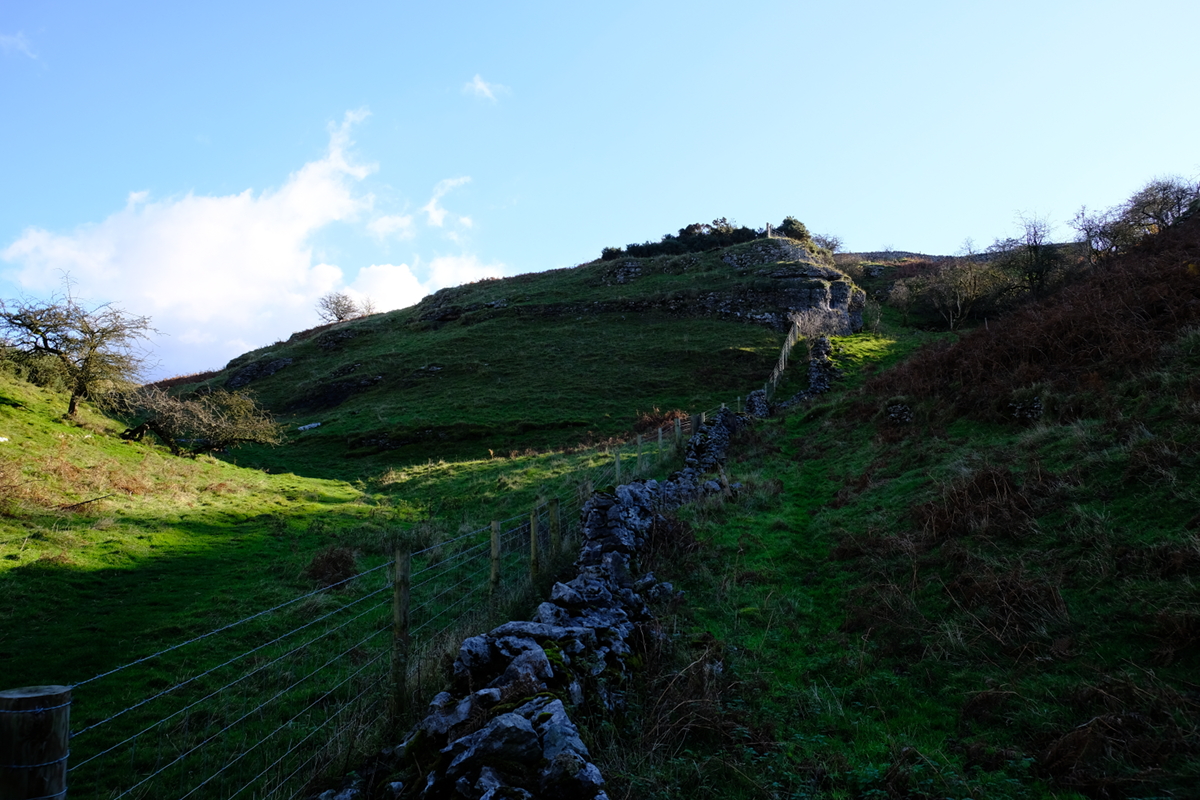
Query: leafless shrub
200 423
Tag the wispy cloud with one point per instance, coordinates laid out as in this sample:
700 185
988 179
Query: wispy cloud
214 272
484 90
16 44
435 215
399 226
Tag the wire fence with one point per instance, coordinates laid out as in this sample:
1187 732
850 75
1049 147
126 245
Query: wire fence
801 329
258 707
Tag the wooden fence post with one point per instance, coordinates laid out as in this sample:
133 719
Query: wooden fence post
678 431
638 468
533 543
555 530
739 404
618 463
693 424
494 584
401 590
35 734
659 461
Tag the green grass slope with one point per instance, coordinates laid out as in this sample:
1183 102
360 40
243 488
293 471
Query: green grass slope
935 587
537 361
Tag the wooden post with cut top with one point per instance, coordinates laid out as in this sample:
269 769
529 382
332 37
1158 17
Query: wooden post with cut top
638 468
35 735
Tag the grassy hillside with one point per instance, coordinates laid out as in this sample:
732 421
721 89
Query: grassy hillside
538 361
937 587
969 572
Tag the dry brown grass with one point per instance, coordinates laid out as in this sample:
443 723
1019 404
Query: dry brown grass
1076 339
988 502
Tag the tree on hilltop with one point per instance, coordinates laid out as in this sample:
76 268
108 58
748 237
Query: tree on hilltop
1152 209
337 307
793 228
89 351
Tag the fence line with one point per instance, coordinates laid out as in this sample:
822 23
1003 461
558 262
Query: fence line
795 334
455 587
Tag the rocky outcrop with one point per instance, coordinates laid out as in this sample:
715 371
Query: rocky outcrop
768 251
504 729
256 371
783 278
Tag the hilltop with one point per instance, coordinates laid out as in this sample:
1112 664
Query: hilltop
545 360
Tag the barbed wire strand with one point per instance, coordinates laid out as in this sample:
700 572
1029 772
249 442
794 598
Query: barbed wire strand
444 610
232 683
453 621
431 600
258 708
76 734
475 532
455 569
296 716
448 559
295 746
231 625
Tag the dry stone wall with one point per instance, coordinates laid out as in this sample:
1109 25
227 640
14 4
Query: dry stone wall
504 729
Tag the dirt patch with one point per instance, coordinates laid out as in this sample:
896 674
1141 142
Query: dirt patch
332 566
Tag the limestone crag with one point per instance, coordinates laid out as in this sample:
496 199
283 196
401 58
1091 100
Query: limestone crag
504 729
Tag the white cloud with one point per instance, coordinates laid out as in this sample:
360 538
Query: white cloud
392 286
484 90
389 286
435 215
401 226
456 270
16 44
213 272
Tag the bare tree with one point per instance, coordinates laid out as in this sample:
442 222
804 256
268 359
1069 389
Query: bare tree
1161 203
367 307
337 307
200 423
1156 206
93 351
1032 257
830 242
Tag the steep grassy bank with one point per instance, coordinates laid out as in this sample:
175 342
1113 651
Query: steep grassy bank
543 361
972 578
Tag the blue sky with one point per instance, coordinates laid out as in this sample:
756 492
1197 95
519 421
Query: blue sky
222 165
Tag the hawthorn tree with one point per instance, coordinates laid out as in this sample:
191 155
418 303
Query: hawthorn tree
1155 207
199 423
337 307
1032 257
91 351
